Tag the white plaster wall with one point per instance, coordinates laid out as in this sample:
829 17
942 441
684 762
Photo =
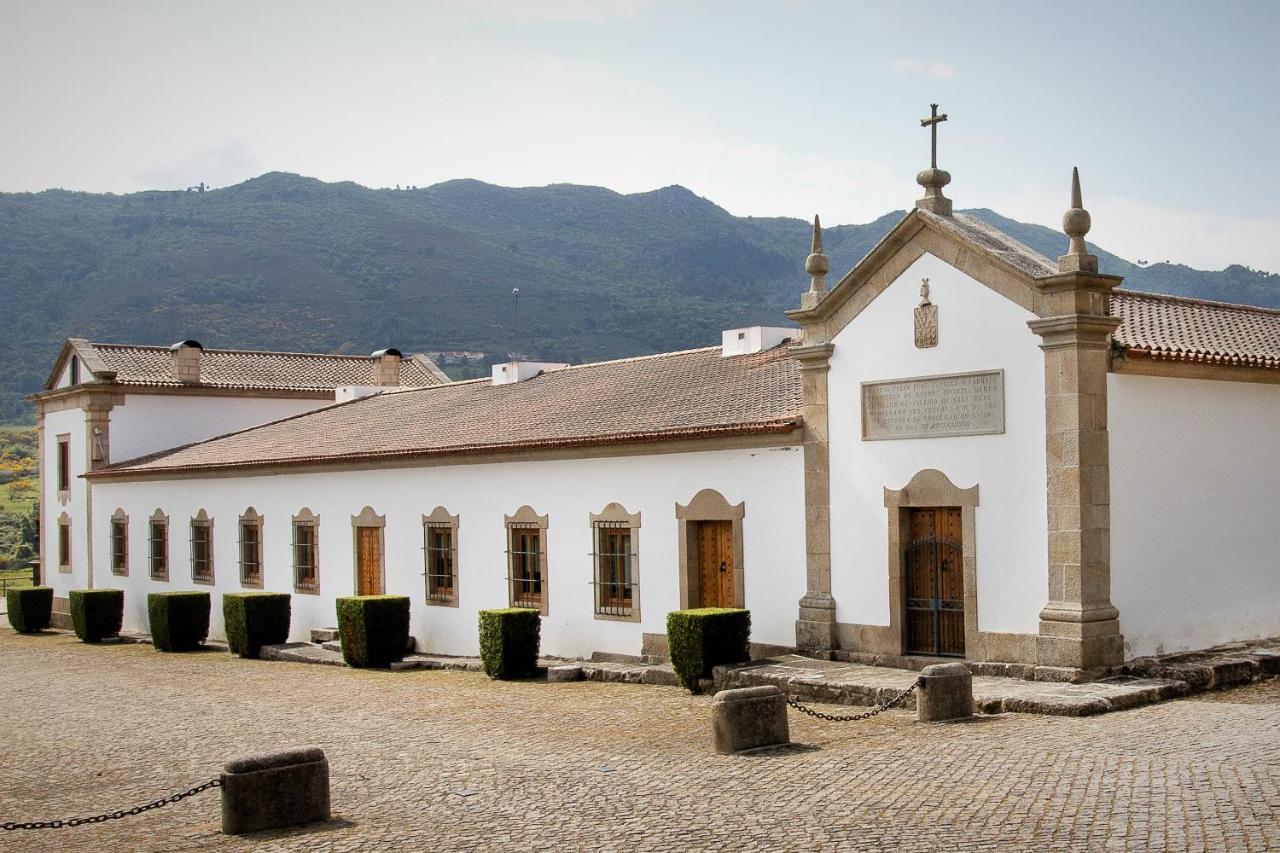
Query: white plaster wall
1195 511
69 422
146 423
770 481
978 330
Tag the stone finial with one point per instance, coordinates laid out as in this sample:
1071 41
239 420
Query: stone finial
817 265
1076 223
933 180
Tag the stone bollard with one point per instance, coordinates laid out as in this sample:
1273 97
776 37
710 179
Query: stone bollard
749 718
275 790
946 693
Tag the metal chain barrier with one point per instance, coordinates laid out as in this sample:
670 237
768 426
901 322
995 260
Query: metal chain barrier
116 815
853 718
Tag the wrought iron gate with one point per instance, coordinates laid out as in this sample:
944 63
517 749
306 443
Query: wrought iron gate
935 597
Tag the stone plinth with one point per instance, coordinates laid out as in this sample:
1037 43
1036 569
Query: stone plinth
275 790
946 693
749 718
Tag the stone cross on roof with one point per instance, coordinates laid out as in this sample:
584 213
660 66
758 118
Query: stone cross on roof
934 179
932 123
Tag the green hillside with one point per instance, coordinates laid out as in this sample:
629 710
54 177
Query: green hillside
287 262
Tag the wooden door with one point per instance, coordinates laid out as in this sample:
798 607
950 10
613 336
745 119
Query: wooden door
715 564
368 561
933 563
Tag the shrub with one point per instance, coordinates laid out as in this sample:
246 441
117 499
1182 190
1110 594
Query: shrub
30 608
373 629
509 640
255 619
704 638
96 613
179 620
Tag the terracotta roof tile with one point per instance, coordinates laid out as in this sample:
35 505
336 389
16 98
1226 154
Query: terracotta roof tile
246 369
669 396
1173 328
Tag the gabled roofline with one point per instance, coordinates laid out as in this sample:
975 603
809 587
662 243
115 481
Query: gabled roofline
88 357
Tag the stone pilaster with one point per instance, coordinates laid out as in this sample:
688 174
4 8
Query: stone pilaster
1079 627
816 625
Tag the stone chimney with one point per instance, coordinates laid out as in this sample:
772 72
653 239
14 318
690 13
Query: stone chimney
186 361
386 367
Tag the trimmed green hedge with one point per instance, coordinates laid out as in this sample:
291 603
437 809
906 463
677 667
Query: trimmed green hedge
96 613
255 619
509 641
29 609
373 629
704 638
179 620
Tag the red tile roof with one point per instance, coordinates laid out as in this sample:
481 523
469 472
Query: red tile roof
665 397
1174 328
150 366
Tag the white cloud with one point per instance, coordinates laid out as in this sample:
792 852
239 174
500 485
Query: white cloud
569 11
1136 230
216 165
935 68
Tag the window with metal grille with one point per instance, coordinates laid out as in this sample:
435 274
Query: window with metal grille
64 543
526 566
306 575
119 543
441 571
251 549
614 557
158 548
202 548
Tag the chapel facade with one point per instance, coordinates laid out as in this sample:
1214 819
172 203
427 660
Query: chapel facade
961 449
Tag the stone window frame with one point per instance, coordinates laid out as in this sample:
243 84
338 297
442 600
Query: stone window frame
439 518
708 505
62 467
119 557
250 518
615 515
64 543
368 518
201 521
305 519
158 556
525 518
927 489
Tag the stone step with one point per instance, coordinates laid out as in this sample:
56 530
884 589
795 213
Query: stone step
335 645
323 635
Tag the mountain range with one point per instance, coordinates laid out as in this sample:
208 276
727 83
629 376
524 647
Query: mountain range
293 263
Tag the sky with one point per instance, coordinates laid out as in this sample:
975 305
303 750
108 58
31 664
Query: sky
766 107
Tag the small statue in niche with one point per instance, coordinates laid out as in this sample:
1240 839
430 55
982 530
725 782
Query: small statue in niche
926 319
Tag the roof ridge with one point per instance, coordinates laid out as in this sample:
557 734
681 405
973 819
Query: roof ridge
1195 300
157 348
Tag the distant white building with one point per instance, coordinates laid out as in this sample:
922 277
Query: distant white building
964 448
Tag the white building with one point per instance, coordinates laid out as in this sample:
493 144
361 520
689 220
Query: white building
963 449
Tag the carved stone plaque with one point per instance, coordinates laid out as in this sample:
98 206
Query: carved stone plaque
934 406
926 326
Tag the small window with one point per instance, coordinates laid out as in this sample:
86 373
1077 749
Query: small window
75 370
527 559
158 546
440 549
64 543
615 533
202 548
306 574
251 548
119 543
64 463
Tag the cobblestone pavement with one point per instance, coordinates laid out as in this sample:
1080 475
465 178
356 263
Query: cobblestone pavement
96 728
